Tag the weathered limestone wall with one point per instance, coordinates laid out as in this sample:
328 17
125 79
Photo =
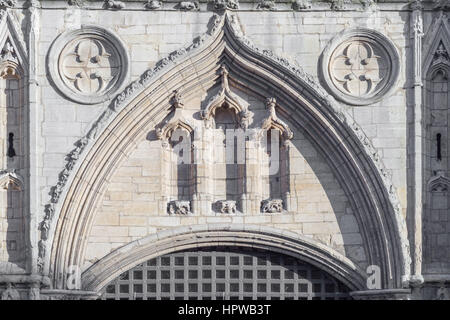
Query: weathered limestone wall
150 36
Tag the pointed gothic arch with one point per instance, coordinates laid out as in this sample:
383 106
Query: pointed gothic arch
13 145
332 131
436 133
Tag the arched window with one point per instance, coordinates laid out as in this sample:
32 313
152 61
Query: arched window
177 161
436 220
224 273
276 136
12 163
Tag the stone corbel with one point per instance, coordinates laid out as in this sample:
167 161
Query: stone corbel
226 98
177 207
226 206
114 5
272 206
153 5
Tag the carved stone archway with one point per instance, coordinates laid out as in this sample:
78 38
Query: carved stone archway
144 103
197 236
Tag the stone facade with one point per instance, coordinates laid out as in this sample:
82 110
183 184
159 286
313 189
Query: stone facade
115 120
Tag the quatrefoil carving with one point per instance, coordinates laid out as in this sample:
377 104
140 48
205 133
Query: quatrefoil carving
360 66
89 67
358 70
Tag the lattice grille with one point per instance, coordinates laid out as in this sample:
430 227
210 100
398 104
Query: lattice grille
220 273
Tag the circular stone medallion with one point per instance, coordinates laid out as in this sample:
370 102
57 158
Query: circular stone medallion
88 65
360 66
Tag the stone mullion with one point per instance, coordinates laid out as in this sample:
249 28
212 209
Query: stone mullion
165 176
285 177
202 198
253 175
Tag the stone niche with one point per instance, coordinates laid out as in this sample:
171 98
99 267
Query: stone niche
12 162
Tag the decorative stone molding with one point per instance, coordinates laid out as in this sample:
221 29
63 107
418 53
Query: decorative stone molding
178 121
442 293
8 53
226 4
225 30
360 66
299 5
266 5
441 55
441 5
9 178
10 293
226 206
228 99
382 294
76 3
153 5
8 3
273 122
439 183
272 206
188 6
338 5
227 234
114 5
179 207
88 65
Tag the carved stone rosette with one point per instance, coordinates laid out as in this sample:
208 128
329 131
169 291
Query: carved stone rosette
88 65
360 66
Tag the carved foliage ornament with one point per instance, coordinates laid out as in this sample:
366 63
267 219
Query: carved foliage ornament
272 206
90 66
226 4
361 67
179 207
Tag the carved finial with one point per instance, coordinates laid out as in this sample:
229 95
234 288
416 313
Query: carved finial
270 103
224 74
441 55
177 100
8 53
